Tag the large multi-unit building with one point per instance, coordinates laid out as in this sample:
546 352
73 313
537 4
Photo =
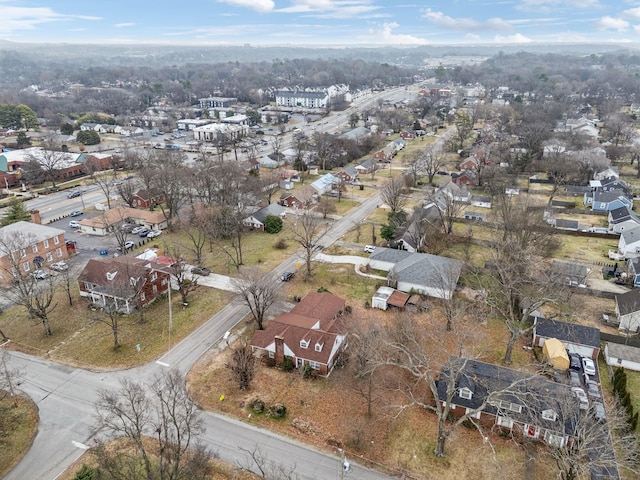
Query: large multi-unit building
217 102
26 247
216 131
309 97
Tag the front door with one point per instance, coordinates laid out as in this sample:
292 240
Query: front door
299 362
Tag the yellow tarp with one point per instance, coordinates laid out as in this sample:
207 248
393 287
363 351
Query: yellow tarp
555 353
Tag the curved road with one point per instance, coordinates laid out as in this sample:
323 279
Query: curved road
65 397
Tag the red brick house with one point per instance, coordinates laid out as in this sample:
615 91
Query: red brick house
146 199
124 283
312 333
470 163
467 177
298 199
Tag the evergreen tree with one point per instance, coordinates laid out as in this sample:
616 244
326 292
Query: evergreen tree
272 224
15 213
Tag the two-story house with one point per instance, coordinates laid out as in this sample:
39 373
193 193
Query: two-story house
123 283
26 246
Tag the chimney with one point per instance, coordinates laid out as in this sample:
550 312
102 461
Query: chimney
35 217
279 355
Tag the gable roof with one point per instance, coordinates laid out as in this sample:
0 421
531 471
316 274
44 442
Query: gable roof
568 332
120 214
112 275
322 306
630 235
562 268
274 209
609 196
428 270
628 302
304 195
392 255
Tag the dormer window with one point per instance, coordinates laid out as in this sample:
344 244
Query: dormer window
319 347
111 275
549 415
304 343
465 393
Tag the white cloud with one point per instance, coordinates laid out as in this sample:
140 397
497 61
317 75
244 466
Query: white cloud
464 24
632 12
257 5
387 37
124 25
517 38
332 8
555 5
472 37
610 23
16 18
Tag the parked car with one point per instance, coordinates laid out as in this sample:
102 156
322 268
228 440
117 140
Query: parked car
574 362
127 227
583 401
74 224
76 213
574 378
369 248
204 271
137 230
74 194
286 276
143 233
59 266
597 410
128 245
593 391
40 274
154 233
588 366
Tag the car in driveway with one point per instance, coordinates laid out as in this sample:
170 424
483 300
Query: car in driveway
74 224
574 362
76 213
154 233
588 366
574 378
593 390
286 276
369 248
583 401
40 275
59 266
597 410
204 271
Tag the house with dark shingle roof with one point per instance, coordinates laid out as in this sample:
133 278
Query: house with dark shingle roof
312 333
629 242
623 218
633 270
299 198
569 273
256 220
628 311
580 339
526 405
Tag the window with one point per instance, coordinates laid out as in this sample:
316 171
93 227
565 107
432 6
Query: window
549 415
164 281
23 253
154 276
34 248
319 347
49 257
58 252
465 393
26 266
46 243
514 407
314 365
554 439
475 415
272 354
504 421
304 343
155 289
142 297
56 240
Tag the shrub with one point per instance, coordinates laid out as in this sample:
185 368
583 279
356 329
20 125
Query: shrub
278 410
287 364
88 137
257 405
280 244
307 371
272 224
86 473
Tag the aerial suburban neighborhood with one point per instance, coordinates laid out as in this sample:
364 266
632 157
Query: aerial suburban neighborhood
292 268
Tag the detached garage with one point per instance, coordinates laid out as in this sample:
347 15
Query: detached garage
625 356
580 339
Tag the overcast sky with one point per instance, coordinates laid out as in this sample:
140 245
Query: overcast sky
321 22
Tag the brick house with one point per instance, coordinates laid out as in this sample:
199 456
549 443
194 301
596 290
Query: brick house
298 199
312 333
32 247
124 283
146 198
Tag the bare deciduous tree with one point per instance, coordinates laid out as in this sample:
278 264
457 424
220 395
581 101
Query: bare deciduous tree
242 365
258 462
307 231
258 291
392 193
10 378
164 414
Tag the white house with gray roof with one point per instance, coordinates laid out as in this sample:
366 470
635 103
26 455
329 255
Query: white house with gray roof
629 242
418 272
256 220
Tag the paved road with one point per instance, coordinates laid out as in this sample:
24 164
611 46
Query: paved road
65 397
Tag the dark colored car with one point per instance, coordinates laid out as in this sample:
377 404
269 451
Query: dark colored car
593 391
597 409
204 271
575 362
286 276
74 194
574 378
143 232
